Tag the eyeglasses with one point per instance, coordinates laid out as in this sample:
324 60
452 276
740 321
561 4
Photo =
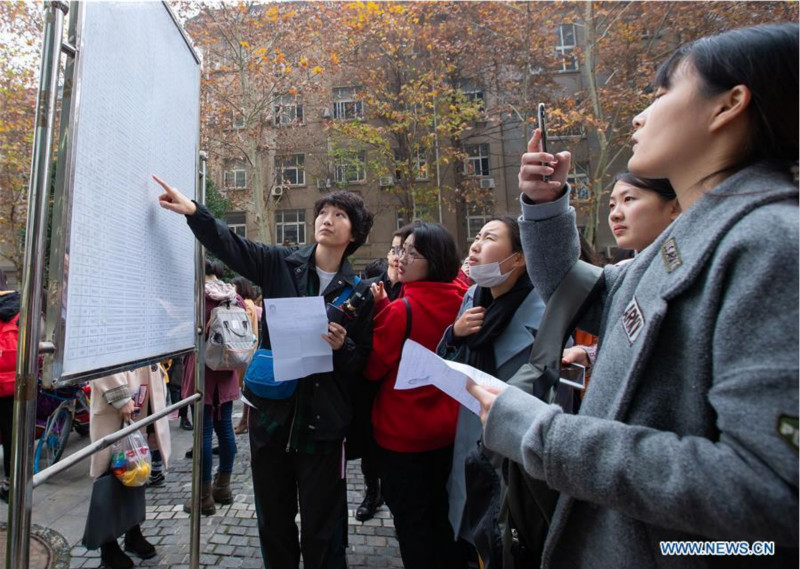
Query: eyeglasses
395 251
410 254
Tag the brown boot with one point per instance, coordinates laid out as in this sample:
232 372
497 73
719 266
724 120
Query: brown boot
221 491
207 507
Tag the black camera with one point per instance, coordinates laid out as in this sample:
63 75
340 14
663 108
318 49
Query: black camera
348 310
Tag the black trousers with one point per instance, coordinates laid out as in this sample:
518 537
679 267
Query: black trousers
414 486
6 425
279 478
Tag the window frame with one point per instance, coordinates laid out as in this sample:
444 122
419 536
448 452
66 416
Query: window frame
236 224
234 173
299 223
341 166
480 158
565 51
347 105
287 104
281 166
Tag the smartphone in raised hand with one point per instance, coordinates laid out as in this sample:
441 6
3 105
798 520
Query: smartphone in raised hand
541 117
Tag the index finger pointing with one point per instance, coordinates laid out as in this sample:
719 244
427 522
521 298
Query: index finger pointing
162 183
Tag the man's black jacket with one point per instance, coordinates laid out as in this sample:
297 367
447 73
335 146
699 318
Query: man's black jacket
285 272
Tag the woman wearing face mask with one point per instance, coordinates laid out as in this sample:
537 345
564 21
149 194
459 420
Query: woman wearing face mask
493 333
640 209
689 431
414 429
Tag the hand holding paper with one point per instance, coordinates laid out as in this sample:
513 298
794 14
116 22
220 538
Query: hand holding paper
419 366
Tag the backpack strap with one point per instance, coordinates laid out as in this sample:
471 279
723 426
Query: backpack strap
408 318
569 302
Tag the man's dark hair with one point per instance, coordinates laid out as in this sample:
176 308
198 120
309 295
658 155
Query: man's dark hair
376 268
360 216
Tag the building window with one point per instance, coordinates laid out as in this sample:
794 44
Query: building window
235 178
291 170
474 94
350 167
346 104
421 166
290 227
476 218
237 222
560 133
578 181
237 120
565 47
288 111
477 162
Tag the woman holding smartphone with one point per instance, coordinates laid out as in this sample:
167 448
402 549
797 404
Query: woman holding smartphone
689 432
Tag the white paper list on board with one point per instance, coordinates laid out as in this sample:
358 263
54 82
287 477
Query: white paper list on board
296 326
419 367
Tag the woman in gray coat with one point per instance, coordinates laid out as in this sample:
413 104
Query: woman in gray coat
493 332
688 431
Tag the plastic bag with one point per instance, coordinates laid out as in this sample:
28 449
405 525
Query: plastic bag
130 460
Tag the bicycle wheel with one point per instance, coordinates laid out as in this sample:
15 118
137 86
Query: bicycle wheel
54 439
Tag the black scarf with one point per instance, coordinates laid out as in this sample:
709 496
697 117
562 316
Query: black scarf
499 312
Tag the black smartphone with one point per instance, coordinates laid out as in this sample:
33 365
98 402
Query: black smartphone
541 117
573 375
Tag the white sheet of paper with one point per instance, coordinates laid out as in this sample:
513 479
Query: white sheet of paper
419 366
296 326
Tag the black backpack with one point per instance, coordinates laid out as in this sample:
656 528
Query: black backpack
527 507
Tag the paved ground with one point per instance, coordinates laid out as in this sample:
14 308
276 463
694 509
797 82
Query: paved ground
228 539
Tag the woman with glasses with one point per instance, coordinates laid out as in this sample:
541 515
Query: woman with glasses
414 429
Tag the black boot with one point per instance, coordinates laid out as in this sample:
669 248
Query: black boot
113 557
372 501
138 545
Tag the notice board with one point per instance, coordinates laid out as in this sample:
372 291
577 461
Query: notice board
126 282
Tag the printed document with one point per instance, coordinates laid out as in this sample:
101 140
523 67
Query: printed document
419 366
296 326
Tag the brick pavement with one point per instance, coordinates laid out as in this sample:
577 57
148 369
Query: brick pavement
230 537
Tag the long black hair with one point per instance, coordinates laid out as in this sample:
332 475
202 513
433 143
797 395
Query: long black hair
765 59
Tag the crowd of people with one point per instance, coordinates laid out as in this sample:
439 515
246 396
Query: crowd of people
684 432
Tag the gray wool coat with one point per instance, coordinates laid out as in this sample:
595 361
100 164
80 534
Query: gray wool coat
685 432
511 351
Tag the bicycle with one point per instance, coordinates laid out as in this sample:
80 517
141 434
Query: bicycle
58 411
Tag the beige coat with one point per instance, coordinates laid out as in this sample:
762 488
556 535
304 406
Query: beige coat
106 419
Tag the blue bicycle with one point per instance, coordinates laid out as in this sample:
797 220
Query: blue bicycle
58 411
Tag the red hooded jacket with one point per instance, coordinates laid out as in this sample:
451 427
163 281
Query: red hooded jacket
422 419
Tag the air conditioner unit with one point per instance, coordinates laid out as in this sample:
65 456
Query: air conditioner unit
277 191
323 184
326 113
386 181
486 183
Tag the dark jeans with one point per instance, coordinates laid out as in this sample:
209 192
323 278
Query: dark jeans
279 477
414 486
6 424
221 422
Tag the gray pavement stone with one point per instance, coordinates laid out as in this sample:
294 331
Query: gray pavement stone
229 538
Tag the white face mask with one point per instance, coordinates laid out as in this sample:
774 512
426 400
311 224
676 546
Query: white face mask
488 275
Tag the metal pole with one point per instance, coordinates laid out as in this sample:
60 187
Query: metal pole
107 441
21 495
200 385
